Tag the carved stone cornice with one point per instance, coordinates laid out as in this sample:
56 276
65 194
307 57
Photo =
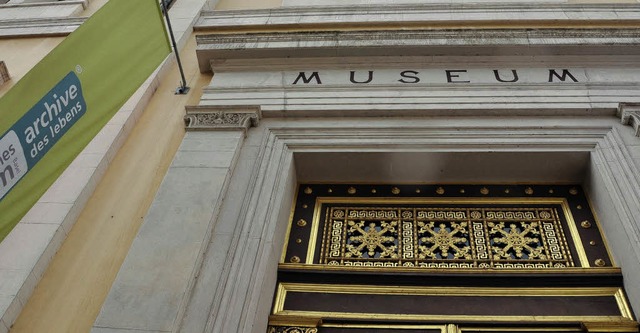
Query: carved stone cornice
452 42
629 114
221 118
40 27
389 13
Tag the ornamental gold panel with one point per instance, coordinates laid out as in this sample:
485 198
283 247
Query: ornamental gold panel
445 226
446 259
461 237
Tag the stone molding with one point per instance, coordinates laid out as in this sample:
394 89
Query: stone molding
84 3
442 37
39 27
629 114
26 12
212 118
214 48
299 3
534 13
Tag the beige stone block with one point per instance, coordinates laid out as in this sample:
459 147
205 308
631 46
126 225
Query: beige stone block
69 186
10 308
12 281
149 290
25 244
3 327
201 301
202 159
47 212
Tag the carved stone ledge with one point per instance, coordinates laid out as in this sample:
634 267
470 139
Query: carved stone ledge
398 42
39 27
221 118
629 114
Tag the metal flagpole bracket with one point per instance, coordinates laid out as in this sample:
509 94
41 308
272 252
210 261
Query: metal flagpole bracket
183 89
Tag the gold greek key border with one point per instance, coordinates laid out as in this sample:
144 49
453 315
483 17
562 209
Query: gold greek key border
373 269
617 293
442 328
575 235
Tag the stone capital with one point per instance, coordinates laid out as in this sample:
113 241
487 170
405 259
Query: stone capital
221 118
629 114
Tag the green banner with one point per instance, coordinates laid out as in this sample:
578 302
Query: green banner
55 110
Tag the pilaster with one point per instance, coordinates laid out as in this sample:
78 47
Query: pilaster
155 281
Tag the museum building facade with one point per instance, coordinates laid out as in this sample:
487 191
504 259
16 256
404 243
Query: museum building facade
405 167
399 166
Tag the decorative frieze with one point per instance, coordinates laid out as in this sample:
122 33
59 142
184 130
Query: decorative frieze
399 227
206 118
441 237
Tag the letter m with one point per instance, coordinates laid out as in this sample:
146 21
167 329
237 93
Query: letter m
562 77
3 175
306 79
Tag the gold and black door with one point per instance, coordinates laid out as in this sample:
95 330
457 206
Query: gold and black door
455 258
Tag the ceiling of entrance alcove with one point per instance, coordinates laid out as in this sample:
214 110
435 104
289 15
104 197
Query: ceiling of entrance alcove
441 167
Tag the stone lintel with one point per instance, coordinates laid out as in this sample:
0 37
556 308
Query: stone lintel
629 114
221 118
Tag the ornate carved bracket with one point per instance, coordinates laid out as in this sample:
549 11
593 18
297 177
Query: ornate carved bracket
216 118
629 114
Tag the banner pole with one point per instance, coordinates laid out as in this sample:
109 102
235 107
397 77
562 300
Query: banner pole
182 89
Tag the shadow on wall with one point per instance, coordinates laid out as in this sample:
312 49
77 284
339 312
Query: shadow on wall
442 167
